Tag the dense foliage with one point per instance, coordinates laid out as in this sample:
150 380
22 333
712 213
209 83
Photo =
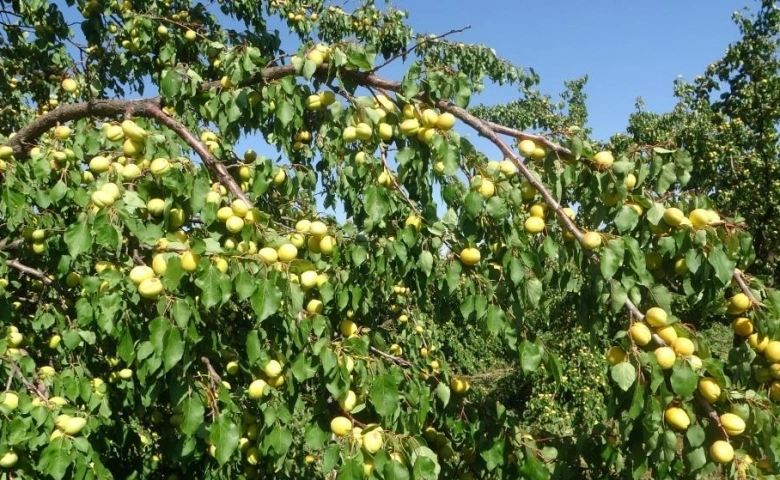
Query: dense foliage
172 307
728 119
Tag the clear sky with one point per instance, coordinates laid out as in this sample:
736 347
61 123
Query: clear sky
628 49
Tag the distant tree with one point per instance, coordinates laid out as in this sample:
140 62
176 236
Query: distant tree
728 119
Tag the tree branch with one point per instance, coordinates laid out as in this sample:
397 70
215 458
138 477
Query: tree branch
214 165
151 108
416 46
398 360
486 131
13 263
740 278
15 369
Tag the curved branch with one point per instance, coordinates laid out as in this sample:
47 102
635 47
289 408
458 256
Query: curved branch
114 108
486 131
212 163
151 108
70 112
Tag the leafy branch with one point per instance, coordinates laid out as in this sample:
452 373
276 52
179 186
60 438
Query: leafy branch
152 108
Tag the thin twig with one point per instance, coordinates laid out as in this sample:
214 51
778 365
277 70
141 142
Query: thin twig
740 278
23 379
416 46
393 358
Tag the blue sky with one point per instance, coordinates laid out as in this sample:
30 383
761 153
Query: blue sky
628 49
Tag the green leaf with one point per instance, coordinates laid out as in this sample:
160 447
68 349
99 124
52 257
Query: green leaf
666 179
350 470
494 456
695 459
623 166
496 319
359 255
443 392
56 458
384 395
181 312
210 282
395 471
655 213
496 207
425 468
19 430
224 435
78 238
662 297
279 439
254 348
626 219
533 468
174 348
170 85
473 204
309 67
695 435
610 262
315 436
285 112
303 367
724 268
618 296
530 356
624 374
266 300
534 290
425 262
245 285
192 412
377 205
575 145
684 381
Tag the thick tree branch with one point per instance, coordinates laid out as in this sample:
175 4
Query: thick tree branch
24 138
5 244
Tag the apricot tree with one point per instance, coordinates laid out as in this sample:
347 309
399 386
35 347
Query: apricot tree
173 307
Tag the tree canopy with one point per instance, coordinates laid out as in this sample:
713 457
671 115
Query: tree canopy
173 307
